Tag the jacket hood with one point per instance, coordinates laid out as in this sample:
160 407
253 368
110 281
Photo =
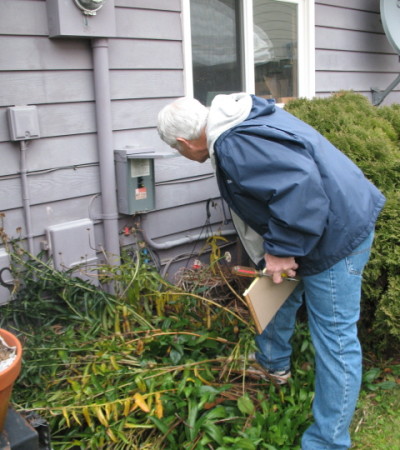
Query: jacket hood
227 111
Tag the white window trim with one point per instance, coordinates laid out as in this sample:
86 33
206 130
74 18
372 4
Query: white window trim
306 47
187 49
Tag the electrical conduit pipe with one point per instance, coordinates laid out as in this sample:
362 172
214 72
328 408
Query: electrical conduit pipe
106 149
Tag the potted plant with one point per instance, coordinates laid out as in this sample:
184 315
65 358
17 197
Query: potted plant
10 367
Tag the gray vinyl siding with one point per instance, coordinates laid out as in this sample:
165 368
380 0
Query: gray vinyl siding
146 72
351 50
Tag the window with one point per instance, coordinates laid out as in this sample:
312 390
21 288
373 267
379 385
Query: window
264 47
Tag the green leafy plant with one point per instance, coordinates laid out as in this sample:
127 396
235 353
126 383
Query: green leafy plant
370 136
152 366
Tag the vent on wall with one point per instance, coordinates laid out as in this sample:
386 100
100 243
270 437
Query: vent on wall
72 246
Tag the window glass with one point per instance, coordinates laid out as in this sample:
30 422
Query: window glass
275 49
216 48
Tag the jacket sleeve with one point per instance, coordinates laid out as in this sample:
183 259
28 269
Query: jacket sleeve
278 175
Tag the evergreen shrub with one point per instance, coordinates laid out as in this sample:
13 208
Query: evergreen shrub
370 136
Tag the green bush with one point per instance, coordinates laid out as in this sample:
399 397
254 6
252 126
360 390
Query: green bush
370 136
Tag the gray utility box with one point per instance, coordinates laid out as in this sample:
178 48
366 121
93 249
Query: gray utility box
66 19
134 171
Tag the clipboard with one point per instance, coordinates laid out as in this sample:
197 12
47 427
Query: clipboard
264 298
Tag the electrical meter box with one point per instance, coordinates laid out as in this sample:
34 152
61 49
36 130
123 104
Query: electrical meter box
134 171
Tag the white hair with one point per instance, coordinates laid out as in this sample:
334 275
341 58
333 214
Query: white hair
184 118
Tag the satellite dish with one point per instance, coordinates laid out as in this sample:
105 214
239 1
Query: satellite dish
390 15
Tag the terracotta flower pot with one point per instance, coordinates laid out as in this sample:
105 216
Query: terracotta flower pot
8 375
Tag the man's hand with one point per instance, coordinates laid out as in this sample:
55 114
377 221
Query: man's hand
276 266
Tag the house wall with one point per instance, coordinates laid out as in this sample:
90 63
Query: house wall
352 51
56 75
146 62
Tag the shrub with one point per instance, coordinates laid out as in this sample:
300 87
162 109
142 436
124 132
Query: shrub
370 136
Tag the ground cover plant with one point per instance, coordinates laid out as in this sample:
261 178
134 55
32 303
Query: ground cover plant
157 366
151 367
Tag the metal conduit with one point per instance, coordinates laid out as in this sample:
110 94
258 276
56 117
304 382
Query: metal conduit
25 196
180 241
106 149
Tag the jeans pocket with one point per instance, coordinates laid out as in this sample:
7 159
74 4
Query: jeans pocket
357 260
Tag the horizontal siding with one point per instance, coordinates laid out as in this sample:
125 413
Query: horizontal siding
23 17
50 187
170 196
139 84
47 214
29 18
138 54
63 119
134 23
195 217
83 181
348 19
352 50
356 62
20 88
337 81
179 168
67 209
164 5
41 53
363 5
48 153
38 87
56 75
350 40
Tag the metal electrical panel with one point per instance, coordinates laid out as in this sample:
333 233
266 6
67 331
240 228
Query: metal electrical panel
66 19
134 170
72 245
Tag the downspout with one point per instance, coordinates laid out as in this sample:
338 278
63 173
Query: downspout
106 149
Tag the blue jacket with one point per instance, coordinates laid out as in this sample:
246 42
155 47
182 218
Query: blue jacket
294 188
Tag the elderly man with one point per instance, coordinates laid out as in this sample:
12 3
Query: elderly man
303 208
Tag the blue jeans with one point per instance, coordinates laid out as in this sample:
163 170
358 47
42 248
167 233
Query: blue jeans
332 299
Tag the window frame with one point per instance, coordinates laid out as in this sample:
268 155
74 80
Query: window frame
306 46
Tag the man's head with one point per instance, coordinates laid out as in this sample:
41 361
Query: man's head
181 124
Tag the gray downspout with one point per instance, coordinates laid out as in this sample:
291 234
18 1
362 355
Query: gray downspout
106 149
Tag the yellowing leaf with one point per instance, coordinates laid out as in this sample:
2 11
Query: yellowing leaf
159 406
114 362
196 372
127 407
108 411
86 415
111 435
100 416
137 425
141 402
75 416
66 417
